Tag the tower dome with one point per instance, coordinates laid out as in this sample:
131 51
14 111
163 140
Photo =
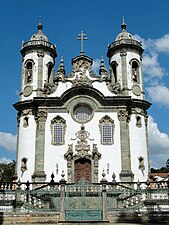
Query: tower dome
124 34
39 35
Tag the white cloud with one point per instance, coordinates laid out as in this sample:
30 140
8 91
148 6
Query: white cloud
162 44
5 160
158 144
151 67
8 141
159 94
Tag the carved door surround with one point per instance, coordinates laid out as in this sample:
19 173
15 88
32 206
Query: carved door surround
82 157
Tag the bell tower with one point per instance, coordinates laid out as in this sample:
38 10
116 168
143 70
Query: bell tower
125 59
38 59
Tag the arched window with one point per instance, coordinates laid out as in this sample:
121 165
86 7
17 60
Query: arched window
50 70
29 72
114 71
58 125
138 121
135 71
106 130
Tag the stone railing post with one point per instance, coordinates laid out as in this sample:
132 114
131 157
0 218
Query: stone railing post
18 203
104 196
62 197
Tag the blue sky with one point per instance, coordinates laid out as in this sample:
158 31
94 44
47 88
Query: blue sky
147 20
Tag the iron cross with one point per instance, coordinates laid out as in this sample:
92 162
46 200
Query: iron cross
82 37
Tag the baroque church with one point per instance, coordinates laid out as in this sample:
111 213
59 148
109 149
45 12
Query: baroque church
82 124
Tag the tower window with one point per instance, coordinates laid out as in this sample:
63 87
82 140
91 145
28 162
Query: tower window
114 71
50 68
58 125
106 130
138 121
135 71
29 72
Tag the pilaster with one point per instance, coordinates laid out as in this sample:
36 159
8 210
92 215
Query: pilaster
123 55
39 174
126 175
40 73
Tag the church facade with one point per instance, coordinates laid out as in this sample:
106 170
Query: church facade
82 124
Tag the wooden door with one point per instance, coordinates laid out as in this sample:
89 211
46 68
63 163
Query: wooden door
82 170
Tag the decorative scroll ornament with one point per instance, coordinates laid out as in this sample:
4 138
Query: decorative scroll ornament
116 88
49 88
82 148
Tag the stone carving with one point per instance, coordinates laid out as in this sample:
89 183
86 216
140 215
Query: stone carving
116 88
141 164
49 88
26 121
41 116
82 150
58 119
24 164
123 115
60 73
103 70
81 66
27 90
82 79
40 54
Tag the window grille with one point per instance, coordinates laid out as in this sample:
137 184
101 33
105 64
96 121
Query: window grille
82 114
107 133
57 133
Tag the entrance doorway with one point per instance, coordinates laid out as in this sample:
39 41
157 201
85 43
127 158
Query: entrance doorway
82 170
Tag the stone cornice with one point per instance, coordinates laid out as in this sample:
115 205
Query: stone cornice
115 101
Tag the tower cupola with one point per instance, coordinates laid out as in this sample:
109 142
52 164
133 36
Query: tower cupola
38 60
125 59
39 40
39 35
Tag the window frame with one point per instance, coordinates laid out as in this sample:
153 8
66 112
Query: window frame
90 114
106 120
135 61
62 123
26 71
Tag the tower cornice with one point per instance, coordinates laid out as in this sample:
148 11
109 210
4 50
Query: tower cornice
38 44
124 43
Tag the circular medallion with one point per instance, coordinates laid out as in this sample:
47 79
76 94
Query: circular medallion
136 90
27 91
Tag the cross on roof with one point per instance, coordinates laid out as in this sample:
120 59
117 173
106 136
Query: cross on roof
82 37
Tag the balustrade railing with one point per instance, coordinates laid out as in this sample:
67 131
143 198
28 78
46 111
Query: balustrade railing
104 196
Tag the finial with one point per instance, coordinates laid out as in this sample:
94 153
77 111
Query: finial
123 25
40 27
82 37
